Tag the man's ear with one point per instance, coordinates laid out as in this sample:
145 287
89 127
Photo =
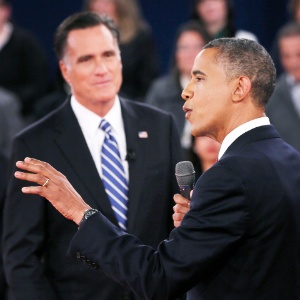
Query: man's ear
64 71
241 89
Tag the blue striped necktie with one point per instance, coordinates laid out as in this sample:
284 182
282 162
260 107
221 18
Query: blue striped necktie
113 175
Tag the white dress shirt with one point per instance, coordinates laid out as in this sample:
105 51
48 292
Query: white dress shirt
94 137
186 137
237 132
295 92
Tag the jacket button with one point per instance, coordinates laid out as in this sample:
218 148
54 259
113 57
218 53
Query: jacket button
95 265
89 262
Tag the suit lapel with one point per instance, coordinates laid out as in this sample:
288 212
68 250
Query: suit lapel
137 146
72 144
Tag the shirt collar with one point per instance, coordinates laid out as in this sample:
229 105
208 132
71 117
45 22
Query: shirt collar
89 121
237 132
291 80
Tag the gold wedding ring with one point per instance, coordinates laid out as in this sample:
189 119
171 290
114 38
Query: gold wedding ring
46 182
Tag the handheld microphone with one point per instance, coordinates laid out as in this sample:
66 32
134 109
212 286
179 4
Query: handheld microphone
185 176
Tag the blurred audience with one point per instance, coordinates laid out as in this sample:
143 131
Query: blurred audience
23 65
293 8
217 16
165 91
10 119
54 98
206 152
284 105
137 45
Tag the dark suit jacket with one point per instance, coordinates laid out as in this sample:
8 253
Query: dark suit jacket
239 241
3 187
36 236
282 113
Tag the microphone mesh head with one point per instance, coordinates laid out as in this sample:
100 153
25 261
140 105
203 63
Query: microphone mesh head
185 173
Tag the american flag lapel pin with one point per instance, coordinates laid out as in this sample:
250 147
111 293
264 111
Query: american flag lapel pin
143 134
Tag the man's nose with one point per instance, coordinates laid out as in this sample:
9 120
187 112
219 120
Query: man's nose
100 67
187 93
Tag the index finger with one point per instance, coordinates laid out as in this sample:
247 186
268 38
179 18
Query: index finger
36 166
178 199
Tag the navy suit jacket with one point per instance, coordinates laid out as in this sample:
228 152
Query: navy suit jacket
3 187
239 241
36 236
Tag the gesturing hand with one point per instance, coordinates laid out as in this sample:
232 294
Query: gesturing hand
53 186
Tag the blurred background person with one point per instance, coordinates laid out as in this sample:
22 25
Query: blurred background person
11 121
23 65
57 96
217 16
284 105
293 9
165 92
206 152
137 45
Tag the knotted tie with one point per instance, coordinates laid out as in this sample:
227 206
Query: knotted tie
113 175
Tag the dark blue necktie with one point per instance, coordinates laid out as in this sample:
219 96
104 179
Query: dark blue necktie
113 175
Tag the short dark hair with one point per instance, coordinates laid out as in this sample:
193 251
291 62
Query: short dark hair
243 57
291 29
81 20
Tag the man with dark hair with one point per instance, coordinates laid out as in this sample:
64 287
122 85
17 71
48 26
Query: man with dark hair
240 240
284 106
73 138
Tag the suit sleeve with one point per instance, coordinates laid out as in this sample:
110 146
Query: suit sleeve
24 237
210 231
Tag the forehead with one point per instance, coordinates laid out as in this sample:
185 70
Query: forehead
290 42
190 35
98 35
205 58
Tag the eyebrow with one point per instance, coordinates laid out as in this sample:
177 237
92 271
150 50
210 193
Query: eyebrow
84 57
198 72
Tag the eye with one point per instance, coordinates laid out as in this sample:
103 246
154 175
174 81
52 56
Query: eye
109 54
199 78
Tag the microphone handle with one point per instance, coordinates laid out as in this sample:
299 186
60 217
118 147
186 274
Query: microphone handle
185 191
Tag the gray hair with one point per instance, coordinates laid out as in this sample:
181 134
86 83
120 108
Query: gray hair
243 57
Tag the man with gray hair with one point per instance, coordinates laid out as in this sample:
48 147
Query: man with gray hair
240 240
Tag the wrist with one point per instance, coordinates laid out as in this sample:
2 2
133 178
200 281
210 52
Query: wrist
86 214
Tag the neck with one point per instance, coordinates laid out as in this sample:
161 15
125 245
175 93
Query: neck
215 27
206 165
240 118
99 108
